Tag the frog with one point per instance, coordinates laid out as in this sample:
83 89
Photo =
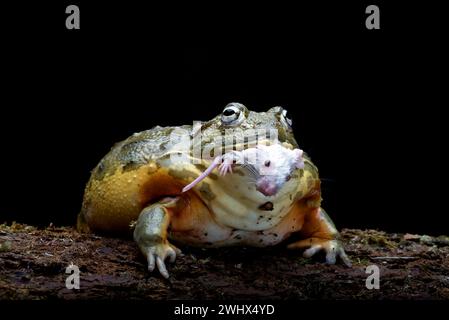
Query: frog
164 187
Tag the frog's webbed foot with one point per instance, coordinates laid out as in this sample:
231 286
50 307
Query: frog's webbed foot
150 234
332 248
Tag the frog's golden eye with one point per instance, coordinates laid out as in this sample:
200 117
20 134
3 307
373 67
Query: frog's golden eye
285 120
232 115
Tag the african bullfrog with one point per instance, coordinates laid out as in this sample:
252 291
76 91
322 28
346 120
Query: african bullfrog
149 184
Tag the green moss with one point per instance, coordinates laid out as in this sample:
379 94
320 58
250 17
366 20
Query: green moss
364 261
380 240
16 227
304 261
5 246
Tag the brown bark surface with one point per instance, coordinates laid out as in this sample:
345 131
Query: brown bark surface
33 264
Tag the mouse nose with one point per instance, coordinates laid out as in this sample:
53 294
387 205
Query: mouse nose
266 187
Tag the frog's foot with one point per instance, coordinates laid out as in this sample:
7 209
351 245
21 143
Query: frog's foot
150 234
332 248
157 254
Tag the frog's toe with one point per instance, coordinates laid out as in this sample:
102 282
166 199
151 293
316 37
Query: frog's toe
332 248
151 259
335 250
331 256
156 256
312 251
344 257
161 266
331 252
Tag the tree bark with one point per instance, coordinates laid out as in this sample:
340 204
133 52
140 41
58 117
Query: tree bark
33 265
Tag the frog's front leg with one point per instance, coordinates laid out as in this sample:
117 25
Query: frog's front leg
150 233
319 233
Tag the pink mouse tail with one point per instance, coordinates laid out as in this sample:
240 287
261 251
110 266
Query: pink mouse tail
213 165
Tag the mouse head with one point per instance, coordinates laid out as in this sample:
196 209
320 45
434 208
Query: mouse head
275 166
270 166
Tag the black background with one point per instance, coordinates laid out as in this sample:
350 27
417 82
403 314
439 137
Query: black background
364 103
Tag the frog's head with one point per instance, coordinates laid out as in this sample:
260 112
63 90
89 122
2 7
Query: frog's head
237 120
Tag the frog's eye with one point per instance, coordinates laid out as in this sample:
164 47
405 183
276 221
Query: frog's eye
285 120
232 115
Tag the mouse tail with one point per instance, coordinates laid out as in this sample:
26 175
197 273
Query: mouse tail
201 177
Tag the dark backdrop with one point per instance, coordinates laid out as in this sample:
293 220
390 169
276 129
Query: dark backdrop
360 100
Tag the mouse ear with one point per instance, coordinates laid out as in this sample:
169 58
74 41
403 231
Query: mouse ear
299 160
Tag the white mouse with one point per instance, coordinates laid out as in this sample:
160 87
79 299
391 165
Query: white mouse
271 166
